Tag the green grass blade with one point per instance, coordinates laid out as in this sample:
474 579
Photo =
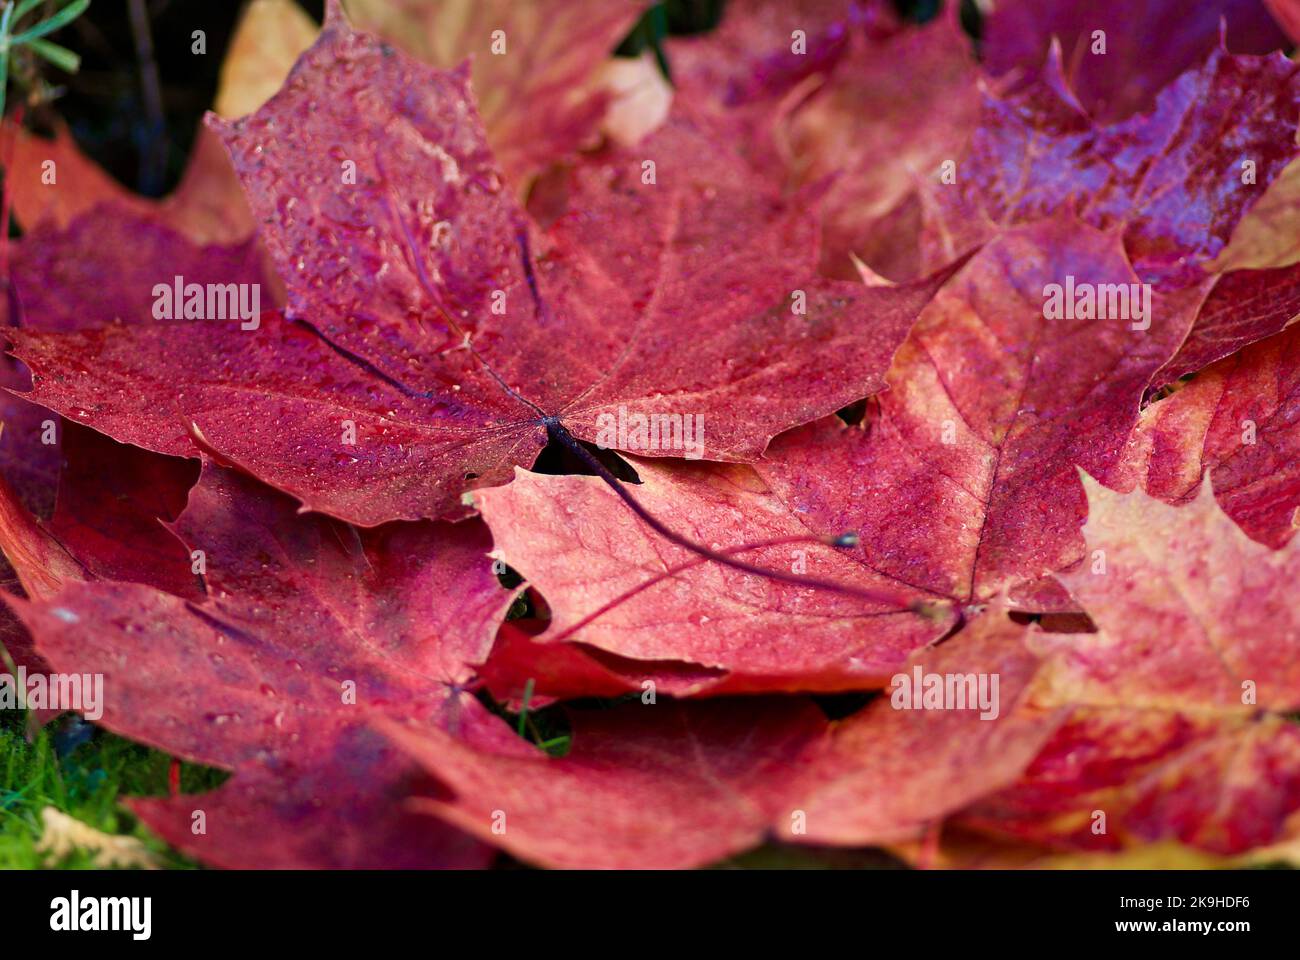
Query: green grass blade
24 8
61 57
56 22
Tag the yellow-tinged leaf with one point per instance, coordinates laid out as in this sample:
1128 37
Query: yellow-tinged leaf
270 37
64 835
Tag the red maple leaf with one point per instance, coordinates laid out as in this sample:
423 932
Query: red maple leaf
1115 74
453 337
308 630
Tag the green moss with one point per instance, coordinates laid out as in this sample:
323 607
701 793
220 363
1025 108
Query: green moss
85 781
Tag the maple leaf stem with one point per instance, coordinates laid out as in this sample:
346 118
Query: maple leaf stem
672 572
558 432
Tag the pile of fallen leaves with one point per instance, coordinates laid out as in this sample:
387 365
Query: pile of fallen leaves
989 352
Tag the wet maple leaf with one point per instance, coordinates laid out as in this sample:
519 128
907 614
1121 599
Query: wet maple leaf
868 102
256 678
1173 181
113 509
30 466
521 665
1236 421
1177 204
34 565
613 584
1269 236
1115 74
1243 307
108 522
887 774
644 786
965 481
392 284
37 560
535 66
1180 707
208 205
753 58
102 267
910 98
1173 720
1201 585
